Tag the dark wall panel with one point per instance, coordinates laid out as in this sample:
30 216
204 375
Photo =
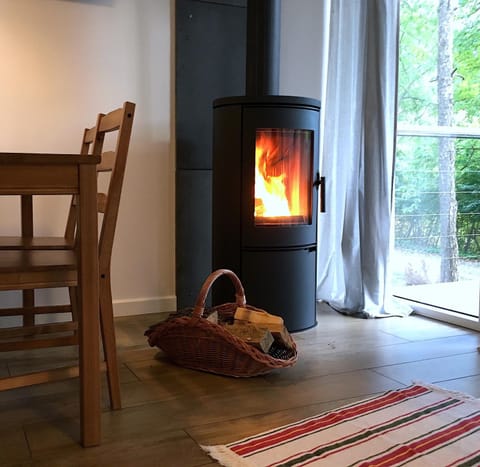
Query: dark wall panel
210 63
193 233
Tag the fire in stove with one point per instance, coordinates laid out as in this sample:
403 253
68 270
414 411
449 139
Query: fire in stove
283 174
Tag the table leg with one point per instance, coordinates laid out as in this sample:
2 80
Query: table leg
88 290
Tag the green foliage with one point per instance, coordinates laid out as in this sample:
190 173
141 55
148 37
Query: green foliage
416 167
417 64
467 63
416 193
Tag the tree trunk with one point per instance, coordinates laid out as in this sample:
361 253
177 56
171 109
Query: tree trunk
446 149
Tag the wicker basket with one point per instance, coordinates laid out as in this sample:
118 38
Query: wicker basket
190 340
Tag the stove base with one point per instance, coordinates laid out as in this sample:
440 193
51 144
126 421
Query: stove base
282 282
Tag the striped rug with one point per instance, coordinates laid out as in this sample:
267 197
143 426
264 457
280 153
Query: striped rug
419 425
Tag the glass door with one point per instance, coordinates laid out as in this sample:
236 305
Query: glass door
437 169
429 272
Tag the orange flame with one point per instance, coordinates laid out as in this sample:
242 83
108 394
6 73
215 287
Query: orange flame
281 176
270 190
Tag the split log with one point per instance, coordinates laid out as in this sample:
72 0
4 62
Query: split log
260 338
266 320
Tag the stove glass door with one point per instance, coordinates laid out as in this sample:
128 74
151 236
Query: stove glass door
283 177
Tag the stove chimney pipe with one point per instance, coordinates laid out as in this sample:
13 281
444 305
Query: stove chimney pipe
263 47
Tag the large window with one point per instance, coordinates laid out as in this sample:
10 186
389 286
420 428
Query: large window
437 171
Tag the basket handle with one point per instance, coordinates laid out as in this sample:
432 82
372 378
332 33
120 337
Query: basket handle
240 299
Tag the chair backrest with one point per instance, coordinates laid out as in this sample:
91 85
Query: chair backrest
113 161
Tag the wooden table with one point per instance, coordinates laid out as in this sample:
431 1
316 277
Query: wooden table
60 174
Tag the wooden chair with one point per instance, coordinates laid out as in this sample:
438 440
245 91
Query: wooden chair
28 262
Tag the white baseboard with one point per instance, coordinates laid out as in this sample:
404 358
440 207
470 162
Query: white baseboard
143 306
123 307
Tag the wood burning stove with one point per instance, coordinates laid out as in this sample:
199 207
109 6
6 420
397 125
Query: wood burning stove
265 180
265 185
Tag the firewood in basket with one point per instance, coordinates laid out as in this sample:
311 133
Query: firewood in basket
257 316
213 317
265 320
260 338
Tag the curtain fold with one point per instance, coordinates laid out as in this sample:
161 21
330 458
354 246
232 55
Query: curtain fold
358 157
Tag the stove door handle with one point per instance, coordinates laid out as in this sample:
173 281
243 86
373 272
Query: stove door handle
320 182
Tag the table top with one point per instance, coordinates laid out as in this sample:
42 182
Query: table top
30 173
28 158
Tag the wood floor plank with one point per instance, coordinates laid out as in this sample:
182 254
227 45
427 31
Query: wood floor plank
170 449
3 370
231 430
419 328
168 410
434 370
469 385
13 447
314 360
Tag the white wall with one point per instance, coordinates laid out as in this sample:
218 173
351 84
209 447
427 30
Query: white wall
303 51
62 62
301 47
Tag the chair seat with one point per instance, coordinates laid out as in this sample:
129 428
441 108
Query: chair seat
45 268
35 243
36 260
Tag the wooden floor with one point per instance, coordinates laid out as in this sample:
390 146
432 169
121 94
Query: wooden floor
169 410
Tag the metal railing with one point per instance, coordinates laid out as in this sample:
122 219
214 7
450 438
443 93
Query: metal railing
417 229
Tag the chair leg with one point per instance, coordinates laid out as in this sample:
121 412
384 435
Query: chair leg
28 296
72 292
28 300
109 342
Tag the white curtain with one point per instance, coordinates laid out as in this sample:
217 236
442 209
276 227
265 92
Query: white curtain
358 157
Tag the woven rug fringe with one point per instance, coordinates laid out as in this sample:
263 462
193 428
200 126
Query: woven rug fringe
225 457
450 392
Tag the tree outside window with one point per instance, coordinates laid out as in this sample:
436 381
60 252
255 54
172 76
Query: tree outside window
437 181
